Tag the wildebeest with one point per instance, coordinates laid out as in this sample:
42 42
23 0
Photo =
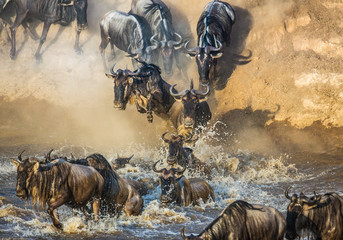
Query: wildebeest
242 221
58 183
128 32
183 156
145 87
120 162
191 111
321 215
176 188
117 194
160 20
213 29
50 11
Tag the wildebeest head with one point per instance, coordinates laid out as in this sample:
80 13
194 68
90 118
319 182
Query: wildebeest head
175 144
25 169
123 82
121 161
205 59
190 100
169 190
296 208
166 49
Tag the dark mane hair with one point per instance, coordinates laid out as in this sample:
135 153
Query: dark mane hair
233 215
160 8
46 181
146 30
217 20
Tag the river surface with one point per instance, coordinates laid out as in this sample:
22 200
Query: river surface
239 175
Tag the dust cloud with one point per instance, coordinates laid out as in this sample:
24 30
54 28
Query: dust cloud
67 98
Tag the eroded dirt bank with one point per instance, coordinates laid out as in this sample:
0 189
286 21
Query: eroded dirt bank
279 86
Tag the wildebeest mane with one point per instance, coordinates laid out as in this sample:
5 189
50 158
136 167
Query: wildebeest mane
100 164
150 12
150 67
218 20
46 181
146 30
233 215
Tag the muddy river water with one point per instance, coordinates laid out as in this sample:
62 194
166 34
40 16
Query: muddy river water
239 175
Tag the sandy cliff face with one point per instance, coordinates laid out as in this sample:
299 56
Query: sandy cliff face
296 63
279 83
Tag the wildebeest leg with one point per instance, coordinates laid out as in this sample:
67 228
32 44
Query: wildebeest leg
18 20
111 57
3 26
42 40
105 39
149 111
33 34
96 207
77 42
55 219
180 66
53 204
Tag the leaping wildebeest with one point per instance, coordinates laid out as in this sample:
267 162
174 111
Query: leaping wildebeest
243 221
213 29
176 188
128 32
58 183
321 215
50 11
190 111
160 20
145 87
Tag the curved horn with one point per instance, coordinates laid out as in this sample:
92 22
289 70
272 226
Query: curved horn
155 44
192 50
67 4
72 156
112 69
131 157
183 233
163 137
184 92
154 167
48 156
19 156
172 43
210 49
197 92
179 170
286 193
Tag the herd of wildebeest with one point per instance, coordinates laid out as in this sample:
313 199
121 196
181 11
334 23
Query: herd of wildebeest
91 184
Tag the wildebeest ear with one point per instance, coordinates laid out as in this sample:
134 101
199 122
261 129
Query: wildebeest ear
15 162
216 54
36 167
110 76
192 55
130 80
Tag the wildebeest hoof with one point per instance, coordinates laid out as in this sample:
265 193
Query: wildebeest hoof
38 58
12 55
59 226
78 51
